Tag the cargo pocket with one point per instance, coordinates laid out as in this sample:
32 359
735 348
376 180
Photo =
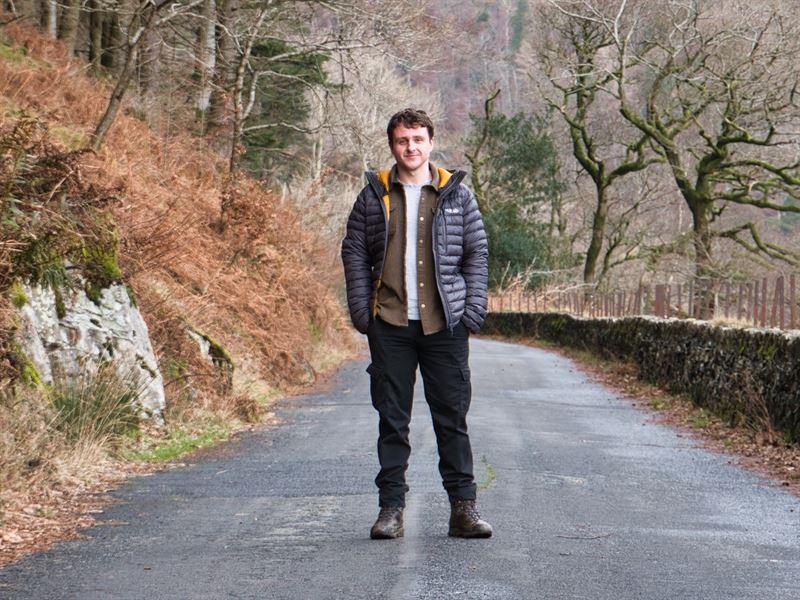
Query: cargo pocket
466 389
375 385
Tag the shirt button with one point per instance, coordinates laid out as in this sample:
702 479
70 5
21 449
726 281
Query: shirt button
422 218
420 242
421 285
420 263
422 306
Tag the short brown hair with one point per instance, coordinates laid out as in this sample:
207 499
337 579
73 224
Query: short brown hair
409 117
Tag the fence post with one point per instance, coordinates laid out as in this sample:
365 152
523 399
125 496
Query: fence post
792 302
776 316
660 298
739 302
764 302
727 299
690 300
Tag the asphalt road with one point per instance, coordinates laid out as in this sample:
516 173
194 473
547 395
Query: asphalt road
588 497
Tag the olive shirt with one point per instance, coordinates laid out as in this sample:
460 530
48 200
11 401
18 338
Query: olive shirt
392 298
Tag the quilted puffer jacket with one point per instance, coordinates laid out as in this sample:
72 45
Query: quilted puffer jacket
460 251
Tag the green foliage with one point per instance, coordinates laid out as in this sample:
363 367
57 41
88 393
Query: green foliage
179 443
15 54
102 407
28 373
515 245
520 160
789 222
99 261
53 223
61 306
131 295
94 292
315 331
17 294
518 25
518 176
281 106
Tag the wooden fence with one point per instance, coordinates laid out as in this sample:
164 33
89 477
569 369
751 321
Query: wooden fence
761 303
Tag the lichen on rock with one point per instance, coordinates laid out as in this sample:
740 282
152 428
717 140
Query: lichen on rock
65 342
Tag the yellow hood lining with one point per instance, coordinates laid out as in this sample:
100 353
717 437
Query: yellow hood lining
383 177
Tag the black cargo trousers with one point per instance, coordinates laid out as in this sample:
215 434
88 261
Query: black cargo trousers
443 359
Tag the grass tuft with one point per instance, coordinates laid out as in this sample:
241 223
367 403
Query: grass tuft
101 408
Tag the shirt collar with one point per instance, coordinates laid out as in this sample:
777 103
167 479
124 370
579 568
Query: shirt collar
433 182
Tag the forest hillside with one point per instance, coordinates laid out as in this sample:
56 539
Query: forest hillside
246 278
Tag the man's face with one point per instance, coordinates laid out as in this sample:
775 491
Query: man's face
411 147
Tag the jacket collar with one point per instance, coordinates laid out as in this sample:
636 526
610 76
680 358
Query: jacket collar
439 177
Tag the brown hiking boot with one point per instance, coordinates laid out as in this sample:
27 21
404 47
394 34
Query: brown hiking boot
389 524
465 521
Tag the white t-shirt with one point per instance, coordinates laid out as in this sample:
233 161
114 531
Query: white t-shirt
412 194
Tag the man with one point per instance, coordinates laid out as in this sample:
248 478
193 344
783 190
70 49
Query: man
415 259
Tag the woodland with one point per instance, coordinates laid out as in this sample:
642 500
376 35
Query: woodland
206 153
609 142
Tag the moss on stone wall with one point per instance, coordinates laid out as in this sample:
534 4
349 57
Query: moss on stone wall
743 375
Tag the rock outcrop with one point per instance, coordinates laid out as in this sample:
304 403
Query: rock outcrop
67 334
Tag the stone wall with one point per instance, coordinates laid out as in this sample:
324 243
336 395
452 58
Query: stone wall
742 375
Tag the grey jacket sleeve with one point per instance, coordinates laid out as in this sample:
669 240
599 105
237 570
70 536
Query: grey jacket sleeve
357 265
475 266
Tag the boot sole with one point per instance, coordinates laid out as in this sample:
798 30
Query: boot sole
386 536
469 534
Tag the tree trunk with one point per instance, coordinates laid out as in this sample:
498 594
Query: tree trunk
224 65
96 24
140 23
70 17
50 17
238 114
703 265
596 242
702 240
124 79
148 67
117 40
206 59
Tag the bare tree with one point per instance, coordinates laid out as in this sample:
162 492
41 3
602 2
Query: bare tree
713 86
146 15
341 28
573 53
